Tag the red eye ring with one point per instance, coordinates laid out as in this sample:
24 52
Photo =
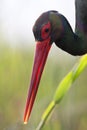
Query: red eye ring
45 31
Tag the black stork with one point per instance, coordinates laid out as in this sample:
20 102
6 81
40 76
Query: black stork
51 27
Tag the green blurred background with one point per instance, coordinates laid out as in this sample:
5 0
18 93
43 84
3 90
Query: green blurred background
15 71
16 59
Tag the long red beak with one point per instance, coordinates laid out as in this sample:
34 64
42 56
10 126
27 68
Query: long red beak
42 50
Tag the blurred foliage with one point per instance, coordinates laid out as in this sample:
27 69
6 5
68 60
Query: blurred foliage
15 72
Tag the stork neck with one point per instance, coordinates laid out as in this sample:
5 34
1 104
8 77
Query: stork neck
75 44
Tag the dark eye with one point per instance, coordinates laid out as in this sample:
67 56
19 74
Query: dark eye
45 31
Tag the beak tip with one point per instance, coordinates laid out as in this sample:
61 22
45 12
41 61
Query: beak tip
25 122
27 115
25 119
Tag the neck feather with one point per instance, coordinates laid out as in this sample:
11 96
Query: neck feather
73 43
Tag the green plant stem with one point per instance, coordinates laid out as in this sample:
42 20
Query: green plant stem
46 114
63 87
69 79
